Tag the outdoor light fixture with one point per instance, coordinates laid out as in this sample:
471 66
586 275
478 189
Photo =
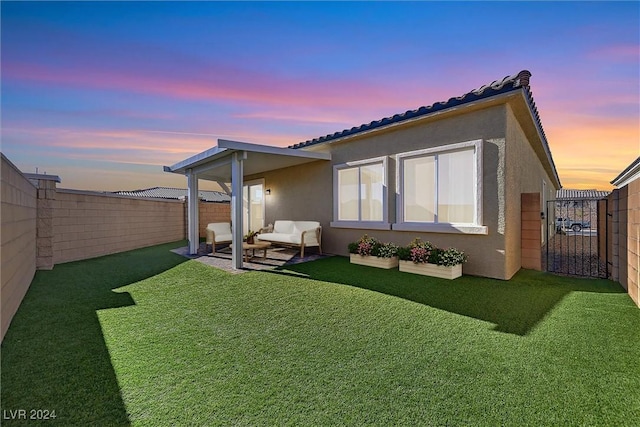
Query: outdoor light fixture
267 191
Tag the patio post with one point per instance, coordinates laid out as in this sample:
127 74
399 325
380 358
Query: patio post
236 207
192 212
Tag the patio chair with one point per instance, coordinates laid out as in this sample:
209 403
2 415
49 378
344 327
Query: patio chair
217 233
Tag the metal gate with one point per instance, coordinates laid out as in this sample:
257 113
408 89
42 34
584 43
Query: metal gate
577 243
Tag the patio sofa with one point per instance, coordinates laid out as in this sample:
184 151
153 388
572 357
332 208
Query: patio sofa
302 234
218 232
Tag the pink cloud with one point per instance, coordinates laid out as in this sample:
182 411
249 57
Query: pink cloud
590 151
619 52
225 85
84 178
320 116
130 146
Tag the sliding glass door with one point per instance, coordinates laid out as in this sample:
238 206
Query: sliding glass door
253 206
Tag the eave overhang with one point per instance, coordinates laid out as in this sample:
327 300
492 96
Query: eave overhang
215 163
630 174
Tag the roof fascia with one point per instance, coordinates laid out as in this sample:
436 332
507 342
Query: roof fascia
195 160
268 149
543 139
41 176
630 174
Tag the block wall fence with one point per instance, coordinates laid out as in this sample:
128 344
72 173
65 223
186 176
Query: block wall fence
18 215
623 240
88 225
43 226
209 212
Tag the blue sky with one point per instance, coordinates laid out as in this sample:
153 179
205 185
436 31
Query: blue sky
104 94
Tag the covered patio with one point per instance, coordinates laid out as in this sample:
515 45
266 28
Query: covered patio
229 163
276 258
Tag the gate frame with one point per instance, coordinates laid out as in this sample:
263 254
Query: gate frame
602 233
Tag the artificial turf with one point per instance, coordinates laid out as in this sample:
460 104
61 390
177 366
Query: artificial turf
148 338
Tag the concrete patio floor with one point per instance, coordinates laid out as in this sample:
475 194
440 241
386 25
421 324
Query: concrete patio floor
276 257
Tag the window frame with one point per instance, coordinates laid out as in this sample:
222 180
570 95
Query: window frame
373 225
476 227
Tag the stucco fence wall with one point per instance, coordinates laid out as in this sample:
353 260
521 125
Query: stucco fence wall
18 247
624 238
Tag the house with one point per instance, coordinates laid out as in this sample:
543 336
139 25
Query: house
457 173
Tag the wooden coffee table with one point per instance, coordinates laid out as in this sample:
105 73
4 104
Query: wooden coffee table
246 247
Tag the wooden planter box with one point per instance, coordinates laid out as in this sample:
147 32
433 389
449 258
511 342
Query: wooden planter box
432 270
374 261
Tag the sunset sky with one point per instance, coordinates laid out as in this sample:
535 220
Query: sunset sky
105 94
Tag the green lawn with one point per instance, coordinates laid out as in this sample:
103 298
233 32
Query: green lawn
149 338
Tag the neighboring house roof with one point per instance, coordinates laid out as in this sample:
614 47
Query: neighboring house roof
631 173
568 194
176 193
508 84
35 177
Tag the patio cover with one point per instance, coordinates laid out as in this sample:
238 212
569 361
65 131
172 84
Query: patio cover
230 162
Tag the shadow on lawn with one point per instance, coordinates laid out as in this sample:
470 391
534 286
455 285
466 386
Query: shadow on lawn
514 306
54 356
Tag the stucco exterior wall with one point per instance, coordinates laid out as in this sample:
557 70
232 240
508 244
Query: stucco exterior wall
306 192
18 248
87 225
523 174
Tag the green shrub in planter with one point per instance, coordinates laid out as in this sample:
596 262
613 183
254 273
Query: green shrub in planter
385 250
425 252
370 246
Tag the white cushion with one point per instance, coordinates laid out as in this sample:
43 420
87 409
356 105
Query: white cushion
301 226
220 227
222 231
283 227
307 225
285 231
280 237
223 238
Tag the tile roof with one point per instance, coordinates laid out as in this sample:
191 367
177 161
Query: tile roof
507 84
568 194
176 193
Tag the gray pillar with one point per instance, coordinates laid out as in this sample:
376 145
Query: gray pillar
192 208
236 207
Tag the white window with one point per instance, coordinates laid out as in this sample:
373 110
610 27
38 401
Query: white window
360 194
440 189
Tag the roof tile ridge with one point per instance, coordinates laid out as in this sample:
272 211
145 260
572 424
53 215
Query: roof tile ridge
520 79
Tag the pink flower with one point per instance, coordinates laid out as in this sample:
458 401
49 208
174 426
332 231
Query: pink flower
419 255
364 248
